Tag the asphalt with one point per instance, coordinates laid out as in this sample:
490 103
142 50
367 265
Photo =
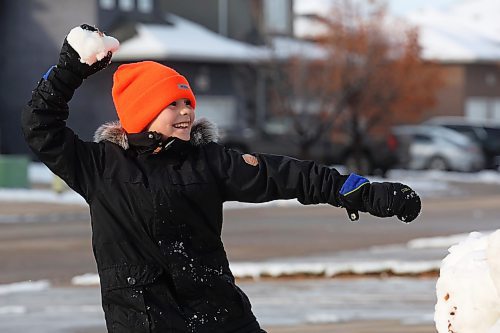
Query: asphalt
52 241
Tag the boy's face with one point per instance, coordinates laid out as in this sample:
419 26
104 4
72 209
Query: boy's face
175 120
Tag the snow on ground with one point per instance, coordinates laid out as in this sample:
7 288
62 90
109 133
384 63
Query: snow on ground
27 286
331 301
418 256
291 302
35 306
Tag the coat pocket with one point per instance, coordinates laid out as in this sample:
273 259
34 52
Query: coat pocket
123 297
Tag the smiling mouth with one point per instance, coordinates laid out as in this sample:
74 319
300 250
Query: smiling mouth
182 125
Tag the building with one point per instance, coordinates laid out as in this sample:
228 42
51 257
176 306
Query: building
465 41
216 44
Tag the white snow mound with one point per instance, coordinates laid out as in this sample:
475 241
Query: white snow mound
92 46
468 287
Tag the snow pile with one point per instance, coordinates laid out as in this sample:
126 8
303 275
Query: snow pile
92 46
12 310
28 286
468 289
48 196
87 279
327 269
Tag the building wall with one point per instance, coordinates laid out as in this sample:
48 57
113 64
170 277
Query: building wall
450 98
204 12
483 91
483 80
113 13
36 30
245 20
471 90
231 18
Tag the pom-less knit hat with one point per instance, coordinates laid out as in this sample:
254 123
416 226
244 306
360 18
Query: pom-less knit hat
143 89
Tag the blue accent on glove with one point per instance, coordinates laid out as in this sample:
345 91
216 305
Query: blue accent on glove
352 184
46 76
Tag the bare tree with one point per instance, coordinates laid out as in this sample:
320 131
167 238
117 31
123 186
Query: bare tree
369 77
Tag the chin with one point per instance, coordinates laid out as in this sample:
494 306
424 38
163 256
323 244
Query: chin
183 137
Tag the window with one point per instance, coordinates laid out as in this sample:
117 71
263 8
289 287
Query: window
483 108
495 112
145 6
126 5
476 108
422 138
107 4
277 16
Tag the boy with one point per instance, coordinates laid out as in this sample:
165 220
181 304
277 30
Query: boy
155 183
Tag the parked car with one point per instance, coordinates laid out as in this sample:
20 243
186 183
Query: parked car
377 155
487 134
439 148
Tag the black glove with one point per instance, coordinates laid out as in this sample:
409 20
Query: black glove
381 199
70 72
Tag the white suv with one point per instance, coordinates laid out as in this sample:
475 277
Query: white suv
486 133
439 148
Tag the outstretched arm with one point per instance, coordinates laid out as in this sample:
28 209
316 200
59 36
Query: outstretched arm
264 177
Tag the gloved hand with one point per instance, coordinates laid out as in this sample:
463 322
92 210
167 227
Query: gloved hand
380 199
70 71
71 60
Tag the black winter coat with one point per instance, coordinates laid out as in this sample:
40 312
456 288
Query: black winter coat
157 216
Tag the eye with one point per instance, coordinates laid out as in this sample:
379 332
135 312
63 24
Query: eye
188 102
173 104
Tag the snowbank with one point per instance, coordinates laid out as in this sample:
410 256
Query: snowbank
28 286
417 257
468 298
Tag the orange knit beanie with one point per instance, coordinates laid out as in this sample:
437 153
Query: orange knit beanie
143 89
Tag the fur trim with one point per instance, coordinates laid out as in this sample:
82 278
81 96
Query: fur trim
202 132
113 132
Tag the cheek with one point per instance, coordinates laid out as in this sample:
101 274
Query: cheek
162 124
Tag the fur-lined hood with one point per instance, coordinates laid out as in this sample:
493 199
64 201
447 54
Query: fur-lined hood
202 132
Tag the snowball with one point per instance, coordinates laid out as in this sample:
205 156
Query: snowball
91 46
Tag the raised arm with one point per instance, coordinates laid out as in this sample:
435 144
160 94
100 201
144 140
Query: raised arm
77 162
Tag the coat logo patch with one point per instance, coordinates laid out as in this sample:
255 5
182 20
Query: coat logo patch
250 159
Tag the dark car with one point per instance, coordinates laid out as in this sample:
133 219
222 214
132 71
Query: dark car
376 155
486 134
